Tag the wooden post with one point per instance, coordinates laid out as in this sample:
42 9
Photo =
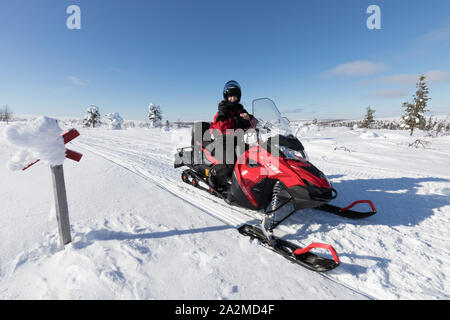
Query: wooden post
62 210
59 190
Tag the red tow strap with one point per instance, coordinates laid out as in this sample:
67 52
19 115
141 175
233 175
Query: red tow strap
300 251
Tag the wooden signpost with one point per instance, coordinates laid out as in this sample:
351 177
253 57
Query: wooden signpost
59 190
62 210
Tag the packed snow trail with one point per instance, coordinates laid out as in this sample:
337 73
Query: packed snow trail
131 239
228 215
365 252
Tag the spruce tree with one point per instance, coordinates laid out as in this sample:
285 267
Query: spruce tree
414 112
92 117
155 115
368 119
115 120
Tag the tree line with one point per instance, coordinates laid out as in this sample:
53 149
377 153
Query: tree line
93 117
413 114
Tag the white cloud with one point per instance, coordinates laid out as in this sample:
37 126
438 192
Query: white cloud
437 76
77 81
296 110
357 68
405 79
432 76
436 35
386 94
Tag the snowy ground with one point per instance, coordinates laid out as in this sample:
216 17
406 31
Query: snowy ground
139 232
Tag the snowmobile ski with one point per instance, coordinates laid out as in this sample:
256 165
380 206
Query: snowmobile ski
293 253
346 212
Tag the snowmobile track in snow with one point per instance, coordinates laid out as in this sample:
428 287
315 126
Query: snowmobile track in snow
211 207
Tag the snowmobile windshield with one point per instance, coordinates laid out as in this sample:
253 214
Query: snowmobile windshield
273 128
270 121
289 147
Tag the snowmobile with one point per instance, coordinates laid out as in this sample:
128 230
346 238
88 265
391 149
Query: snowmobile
271 171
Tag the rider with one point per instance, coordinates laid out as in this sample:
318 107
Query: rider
230 117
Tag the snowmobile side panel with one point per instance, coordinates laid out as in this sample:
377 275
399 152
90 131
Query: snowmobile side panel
302 198
252 194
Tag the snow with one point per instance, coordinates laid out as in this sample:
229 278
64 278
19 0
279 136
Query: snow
368 135
38 139
139 232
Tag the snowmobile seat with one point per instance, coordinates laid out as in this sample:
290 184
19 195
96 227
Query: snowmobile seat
191 156
201 134
201 137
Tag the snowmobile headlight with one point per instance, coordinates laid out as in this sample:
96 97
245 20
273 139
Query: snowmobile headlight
293 154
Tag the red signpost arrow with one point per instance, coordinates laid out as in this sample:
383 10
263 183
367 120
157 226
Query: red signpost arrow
70 154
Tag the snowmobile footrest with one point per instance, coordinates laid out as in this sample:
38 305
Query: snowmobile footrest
293 253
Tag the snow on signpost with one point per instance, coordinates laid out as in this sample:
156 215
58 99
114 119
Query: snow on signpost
42 140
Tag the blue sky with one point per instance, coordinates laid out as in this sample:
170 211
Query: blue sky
315 59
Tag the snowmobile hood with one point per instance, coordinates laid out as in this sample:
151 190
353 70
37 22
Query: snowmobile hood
309 173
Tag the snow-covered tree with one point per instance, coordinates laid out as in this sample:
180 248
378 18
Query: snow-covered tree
115 120
167 126
155 115
414 112
368 119
5 114
92 117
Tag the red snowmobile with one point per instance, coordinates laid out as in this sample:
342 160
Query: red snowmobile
270 172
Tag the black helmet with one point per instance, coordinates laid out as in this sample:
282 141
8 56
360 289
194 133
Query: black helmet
232 88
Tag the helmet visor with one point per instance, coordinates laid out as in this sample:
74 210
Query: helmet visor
232 88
